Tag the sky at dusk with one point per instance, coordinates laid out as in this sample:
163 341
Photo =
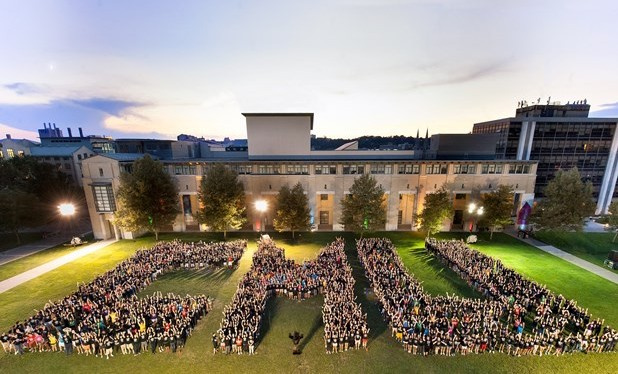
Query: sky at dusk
364 67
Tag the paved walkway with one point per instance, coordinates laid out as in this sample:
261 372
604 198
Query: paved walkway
601 272
51 265
32 248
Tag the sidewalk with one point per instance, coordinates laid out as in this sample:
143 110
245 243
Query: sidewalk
604 273
51 265
32 248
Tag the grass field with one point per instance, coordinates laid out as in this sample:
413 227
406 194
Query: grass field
282 316
590 246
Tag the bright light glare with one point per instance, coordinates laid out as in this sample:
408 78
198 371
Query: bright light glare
66 209
471 208
480 211
261 205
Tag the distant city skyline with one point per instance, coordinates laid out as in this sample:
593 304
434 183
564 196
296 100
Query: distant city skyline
157 69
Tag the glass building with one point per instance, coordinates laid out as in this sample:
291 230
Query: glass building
560 137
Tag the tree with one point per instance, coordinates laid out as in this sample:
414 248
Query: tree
612 219
363 210
497 208
222 198
44 180
436 209
292 210
567 202
19 209
147 198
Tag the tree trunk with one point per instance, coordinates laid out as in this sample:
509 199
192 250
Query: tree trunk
491 233
156 232
224 234
292 234
17 237
614 239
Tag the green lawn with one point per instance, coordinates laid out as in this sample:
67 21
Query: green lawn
282 316
26 263
8 240
590 246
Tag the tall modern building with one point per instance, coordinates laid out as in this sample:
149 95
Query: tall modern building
278 152
561 137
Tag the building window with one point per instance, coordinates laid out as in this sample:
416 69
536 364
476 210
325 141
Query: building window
1 154
79 157
464 169
409 169
268 169
436 169
491 169
101 172
104 198
324 217
326 169
381 169
20 153
400 217
460 196
297 169
324 196
241 168
519 169
185 169
353 169
10 153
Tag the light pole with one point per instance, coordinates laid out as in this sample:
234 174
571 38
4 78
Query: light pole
474 211
68 210
261 206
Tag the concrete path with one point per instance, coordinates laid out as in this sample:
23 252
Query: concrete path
601 272
32 248
51 265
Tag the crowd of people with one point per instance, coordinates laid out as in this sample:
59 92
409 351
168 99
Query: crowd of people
106 316
450 324
272 274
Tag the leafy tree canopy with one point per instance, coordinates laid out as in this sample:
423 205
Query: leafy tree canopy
292 210
147 198
497 207
567 202
363 210
222 198
437 208
19 209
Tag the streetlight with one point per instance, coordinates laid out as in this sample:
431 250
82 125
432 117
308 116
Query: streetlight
66 209
261 206
474 211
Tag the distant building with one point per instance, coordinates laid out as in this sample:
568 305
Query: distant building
10 147
278 152
561 137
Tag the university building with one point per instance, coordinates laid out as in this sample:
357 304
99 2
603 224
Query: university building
561 137
278 152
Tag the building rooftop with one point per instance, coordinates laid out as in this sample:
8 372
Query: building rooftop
310 115
54 151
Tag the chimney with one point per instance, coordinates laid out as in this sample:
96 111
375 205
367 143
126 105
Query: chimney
81 133
8 136
54 125
69 130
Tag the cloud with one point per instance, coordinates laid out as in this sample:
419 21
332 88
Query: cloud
22 88
17 133
609 110
112 107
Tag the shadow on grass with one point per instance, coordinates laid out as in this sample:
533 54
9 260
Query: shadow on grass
375 322
317 323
